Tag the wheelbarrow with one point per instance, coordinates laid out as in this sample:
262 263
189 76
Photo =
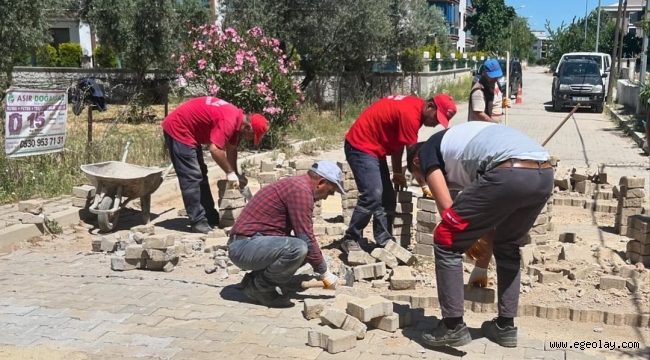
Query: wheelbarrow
117 183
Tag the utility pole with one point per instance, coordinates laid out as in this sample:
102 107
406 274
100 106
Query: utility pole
598 27
612 73
644 58
621 45
586 17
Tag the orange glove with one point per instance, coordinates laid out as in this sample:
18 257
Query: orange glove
427 192
505 103
477 251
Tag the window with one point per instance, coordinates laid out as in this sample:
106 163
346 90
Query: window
60 36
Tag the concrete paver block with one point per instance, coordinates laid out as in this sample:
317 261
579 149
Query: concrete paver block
404 196
612 282
631 182
403 255
547 277
108 243
404 208
313 308
31 206
384 256
426 204
135 252
148 229
481 295
158 242
360 258
83 191
402 279
122 264
424 250
370 271
388 323
370 308
332 340
158 255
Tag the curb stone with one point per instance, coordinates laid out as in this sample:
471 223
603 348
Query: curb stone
638 137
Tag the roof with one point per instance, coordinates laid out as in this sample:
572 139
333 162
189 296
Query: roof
632 6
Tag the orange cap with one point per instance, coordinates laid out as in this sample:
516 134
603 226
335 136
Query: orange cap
260 127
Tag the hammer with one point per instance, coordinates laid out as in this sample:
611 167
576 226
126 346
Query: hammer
348 280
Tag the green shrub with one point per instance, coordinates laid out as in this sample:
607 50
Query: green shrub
24 59
70 55
105 57
46 56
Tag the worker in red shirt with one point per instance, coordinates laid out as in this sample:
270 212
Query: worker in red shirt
384 129
202 121
262 241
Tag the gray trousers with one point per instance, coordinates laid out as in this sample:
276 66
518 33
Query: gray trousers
507 200
273 259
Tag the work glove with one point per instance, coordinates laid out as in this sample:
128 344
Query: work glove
233 179
646 148
505 102
479 277
329 280
399 181
427 192
477 251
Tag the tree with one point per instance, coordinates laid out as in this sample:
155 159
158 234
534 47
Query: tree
23 28
521 39
571 37
490 24
142 32
416 24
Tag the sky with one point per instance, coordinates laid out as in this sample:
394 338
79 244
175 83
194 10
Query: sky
555 11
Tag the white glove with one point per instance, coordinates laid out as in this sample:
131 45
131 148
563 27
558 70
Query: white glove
479 277
233 179
329 280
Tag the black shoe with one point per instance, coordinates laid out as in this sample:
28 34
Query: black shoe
213 218
442 336
202 227
267 298
348 245
505 336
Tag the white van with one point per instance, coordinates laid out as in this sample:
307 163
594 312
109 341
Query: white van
603 60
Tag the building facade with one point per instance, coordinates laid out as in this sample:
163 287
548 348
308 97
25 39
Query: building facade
455 12
633 14
540 47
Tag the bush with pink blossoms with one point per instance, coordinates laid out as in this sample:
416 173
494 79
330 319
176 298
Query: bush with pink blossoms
248 70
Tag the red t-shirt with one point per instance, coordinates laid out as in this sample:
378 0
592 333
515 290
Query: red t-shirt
204 120
387 125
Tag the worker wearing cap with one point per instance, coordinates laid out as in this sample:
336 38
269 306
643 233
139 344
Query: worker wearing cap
506 179
261 239
202 121
481 98
384 129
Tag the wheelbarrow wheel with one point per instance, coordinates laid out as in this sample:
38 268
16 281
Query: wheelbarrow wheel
106 221
145 205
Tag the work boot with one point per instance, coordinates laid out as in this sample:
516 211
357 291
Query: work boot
267 298
348 245
201 227
505 336
442 336
213 218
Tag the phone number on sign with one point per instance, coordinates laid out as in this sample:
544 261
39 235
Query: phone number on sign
41 142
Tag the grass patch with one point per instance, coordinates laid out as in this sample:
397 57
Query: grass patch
458 89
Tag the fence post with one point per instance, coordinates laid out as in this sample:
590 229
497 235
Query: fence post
90 132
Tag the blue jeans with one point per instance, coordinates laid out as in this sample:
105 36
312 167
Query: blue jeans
192 176
377 197
273 259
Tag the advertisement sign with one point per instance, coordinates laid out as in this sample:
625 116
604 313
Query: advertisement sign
35 122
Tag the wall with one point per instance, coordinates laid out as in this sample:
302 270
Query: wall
627 94
119 84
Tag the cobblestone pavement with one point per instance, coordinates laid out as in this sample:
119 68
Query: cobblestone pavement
9 213
74 302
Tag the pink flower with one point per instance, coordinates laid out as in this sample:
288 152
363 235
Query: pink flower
181 81
293 118
209 81
255 32
214 89
272 110
262 88
190 74
202 64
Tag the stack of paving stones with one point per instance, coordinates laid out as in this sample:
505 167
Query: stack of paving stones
585 189
542 225
631 198
426 221
638 229
231 204
301 166
403 220
347 319
31 212
267 173
82 196
349 200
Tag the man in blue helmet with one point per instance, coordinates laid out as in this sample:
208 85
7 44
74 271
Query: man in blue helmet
481 97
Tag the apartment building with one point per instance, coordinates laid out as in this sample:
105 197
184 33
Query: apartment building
455 12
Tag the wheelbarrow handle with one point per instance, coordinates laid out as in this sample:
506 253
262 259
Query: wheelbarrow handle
167 171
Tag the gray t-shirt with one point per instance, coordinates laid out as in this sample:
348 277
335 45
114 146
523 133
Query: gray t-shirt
465 151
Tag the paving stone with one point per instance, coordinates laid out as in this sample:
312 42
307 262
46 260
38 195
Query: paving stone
370 271
355 258
403 255
332 340
402 279
386 257
313 308
369 308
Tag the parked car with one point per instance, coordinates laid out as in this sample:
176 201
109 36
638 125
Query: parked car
578 81
515 76
603 60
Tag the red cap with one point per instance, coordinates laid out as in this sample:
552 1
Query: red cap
260 127
446 109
